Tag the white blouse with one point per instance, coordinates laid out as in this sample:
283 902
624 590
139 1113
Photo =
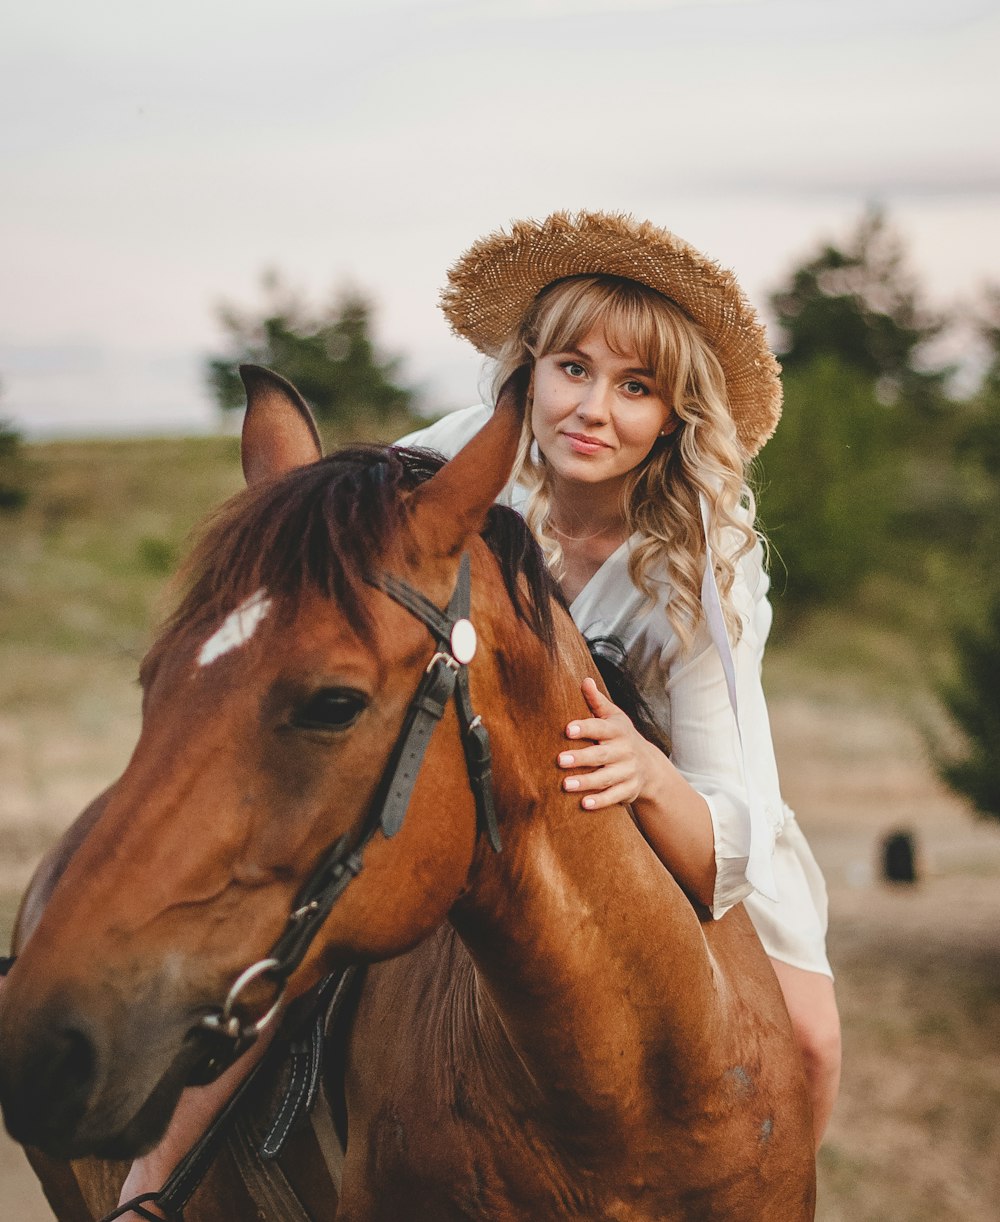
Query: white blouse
717 726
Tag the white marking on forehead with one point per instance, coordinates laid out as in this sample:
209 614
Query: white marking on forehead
237 628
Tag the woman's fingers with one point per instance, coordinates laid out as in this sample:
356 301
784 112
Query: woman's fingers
608 719
597 702
617 794
597 729
610 752
601 778
607 749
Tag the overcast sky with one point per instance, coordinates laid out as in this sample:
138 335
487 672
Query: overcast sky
155 159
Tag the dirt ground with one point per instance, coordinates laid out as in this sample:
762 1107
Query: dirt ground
915 1137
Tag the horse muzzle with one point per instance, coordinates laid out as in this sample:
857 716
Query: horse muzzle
73 1083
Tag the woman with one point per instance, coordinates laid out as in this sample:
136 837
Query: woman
652 388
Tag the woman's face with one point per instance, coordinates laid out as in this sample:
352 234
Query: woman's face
596 415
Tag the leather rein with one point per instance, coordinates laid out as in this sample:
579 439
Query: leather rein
445 676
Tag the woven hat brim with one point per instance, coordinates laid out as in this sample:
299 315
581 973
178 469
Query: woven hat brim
493 284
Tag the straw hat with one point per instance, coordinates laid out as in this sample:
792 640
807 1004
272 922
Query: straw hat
492 285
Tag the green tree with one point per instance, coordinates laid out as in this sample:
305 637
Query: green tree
828 481
977 463
327 352
860 304
979 438
973 699
842 480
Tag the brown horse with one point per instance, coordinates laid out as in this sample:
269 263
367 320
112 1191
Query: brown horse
547 1032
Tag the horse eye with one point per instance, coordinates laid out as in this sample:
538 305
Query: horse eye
332 708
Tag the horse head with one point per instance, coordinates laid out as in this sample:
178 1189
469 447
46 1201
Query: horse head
273 703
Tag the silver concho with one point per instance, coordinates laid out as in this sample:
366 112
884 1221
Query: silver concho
463 641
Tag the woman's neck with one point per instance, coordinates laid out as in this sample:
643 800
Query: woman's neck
578 510
588 523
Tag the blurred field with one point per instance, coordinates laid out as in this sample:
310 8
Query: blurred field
916 1135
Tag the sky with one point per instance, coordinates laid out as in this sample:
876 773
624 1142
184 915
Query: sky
155 160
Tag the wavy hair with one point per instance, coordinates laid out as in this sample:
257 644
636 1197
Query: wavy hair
702 456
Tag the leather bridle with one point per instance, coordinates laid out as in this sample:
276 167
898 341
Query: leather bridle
445 676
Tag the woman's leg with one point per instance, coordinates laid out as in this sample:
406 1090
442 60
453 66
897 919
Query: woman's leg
812 1008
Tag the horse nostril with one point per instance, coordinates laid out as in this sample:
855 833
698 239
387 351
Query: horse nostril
74 1060
53 1089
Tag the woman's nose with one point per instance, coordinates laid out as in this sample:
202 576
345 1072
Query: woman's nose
594 404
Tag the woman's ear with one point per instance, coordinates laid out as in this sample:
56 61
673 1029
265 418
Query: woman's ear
670 425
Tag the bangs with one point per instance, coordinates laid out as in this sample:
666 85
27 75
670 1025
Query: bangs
636 321
633 318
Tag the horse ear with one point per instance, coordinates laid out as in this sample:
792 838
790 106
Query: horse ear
453 504
279 432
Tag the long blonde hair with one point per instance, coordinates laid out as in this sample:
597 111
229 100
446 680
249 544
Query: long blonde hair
701 457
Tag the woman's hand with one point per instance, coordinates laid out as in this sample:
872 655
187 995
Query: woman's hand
196 1108
623 764
625 767
144 1176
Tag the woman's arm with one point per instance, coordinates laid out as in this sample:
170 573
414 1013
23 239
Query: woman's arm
711 772
731 761
196 1108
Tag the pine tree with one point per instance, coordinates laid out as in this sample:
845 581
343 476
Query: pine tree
973 700
328 353
859 303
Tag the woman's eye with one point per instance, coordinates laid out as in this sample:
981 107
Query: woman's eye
574 369
636 388
332 708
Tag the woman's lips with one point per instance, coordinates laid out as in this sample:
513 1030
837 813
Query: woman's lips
580 443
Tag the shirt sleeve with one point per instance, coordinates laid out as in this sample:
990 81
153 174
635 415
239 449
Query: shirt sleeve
450 433
722 758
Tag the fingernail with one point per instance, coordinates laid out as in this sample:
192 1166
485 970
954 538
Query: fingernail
588 803
572 731
571 783
565 760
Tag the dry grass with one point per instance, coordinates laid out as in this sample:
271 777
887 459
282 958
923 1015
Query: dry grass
915 1137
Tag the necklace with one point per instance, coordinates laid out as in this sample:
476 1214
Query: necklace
601 530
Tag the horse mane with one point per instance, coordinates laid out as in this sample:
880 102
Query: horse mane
325 526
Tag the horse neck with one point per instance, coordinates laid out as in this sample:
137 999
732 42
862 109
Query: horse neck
587 952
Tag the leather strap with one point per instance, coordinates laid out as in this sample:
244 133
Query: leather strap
446 675
475 736
389 805
191 1170
478 763
267 1185
306 1061
425 711
299 1098
137 1206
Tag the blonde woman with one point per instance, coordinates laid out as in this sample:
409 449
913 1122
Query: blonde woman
652 388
